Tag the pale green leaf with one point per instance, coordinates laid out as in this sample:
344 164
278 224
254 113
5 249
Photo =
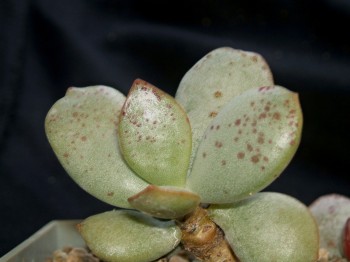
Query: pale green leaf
129 236
214 80
165 202
82 130
155 135
247 145
269 227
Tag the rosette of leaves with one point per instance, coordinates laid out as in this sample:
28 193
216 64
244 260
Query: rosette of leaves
227 134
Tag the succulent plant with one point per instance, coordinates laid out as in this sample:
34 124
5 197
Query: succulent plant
187 170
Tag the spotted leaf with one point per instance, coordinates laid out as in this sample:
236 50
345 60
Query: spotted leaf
331 213
129 236
268 227
82 130
165 202
155 135
247 145
214 80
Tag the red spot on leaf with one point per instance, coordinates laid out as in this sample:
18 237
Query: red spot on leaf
238 122
276 116
255 159
262 116
261 140
218 144
265 88
249 147
213 114
331 209
217 94
83 138
254 59
331 244
240 155
156 94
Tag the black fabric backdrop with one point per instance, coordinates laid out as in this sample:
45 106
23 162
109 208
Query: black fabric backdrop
47 46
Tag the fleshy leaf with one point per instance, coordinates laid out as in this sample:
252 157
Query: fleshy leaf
247 145
165 202
268 227
214 80
331 213
129 236
82 130
155 135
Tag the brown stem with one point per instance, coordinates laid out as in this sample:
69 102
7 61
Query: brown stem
204 239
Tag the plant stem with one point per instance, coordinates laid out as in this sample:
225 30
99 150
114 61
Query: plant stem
204 239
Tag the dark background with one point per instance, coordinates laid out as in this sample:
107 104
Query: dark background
47 46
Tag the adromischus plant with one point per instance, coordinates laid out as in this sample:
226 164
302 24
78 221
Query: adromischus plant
227 134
